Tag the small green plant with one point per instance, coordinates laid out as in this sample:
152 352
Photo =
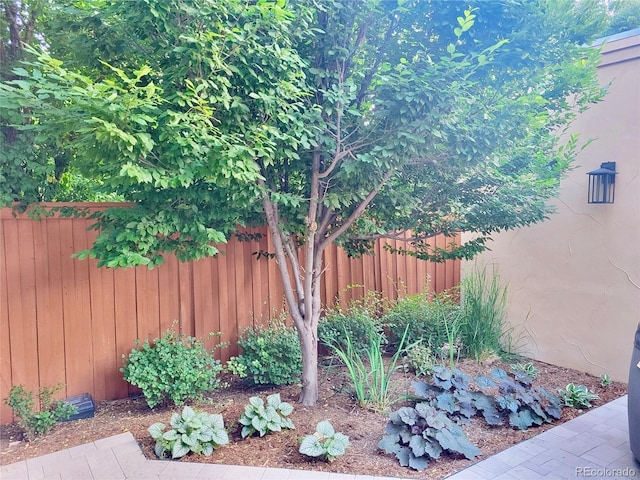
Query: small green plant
325 443
577 396
174 368
370 376
270 355
191 431
416 435
262 419
41 422
420 359
605 380
528 369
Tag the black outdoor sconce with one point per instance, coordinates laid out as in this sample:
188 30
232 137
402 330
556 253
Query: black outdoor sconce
602 183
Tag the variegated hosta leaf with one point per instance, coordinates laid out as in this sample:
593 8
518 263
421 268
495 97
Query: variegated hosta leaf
156 430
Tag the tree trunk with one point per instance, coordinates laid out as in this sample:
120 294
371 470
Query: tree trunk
309 346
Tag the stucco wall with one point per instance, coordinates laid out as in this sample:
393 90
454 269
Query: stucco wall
574 280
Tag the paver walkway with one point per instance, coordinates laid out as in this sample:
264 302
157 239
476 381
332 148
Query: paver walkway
593 445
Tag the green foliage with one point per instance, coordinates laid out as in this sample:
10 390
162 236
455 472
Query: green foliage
528 369
518 402
174 368
325 443
261 419
270 355
358 321
237 367
605 380
420 359
191 431
423 319
34 423
416 435
577 396
484 301
370 375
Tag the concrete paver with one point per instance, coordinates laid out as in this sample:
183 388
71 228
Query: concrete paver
593 445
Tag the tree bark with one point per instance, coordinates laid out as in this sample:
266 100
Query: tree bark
309 345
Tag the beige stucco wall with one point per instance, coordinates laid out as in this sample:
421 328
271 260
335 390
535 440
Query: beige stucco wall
574 280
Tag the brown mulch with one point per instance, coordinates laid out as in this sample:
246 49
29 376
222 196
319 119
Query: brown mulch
364 427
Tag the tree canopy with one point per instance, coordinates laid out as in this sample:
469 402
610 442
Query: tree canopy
329 120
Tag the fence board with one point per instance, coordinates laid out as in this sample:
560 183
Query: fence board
5 344
78 320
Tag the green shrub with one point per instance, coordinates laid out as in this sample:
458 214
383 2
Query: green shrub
174 368
358 321
424 320
262 419
605 380
484 301
51 411
325 443
270 355
191 431
577 396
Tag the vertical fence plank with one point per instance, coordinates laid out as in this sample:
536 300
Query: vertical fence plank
6 415
126 320
49 308
22 316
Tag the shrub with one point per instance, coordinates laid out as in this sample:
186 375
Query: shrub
270 355
358 321
262 419
423 320
173 368
325 443
484 300
577 396
51 411
191 431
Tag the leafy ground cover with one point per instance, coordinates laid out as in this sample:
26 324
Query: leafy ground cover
364 427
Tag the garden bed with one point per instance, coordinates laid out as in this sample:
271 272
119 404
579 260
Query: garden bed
364 427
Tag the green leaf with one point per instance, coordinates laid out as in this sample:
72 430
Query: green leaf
325 428
311 446
179 450
156 430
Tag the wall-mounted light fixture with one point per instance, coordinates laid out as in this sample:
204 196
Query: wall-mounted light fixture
602 183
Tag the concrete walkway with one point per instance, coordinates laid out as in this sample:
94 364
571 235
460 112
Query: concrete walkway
594 445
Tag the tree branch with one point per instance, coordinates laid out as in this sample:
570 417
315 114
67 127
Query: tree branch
358 211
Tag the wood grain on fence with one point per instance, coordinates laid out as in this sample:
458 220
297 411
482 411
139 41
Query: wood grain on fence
64 320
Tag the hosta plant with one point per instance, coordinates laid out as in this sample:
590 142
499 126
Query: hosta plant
191 431
577 396
262 419
325 443
416 435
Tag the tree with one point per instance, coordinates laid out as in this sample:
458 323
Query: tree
329 120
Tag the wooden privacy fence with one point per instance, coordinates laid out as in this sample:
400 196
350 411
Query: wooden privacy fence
64 320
